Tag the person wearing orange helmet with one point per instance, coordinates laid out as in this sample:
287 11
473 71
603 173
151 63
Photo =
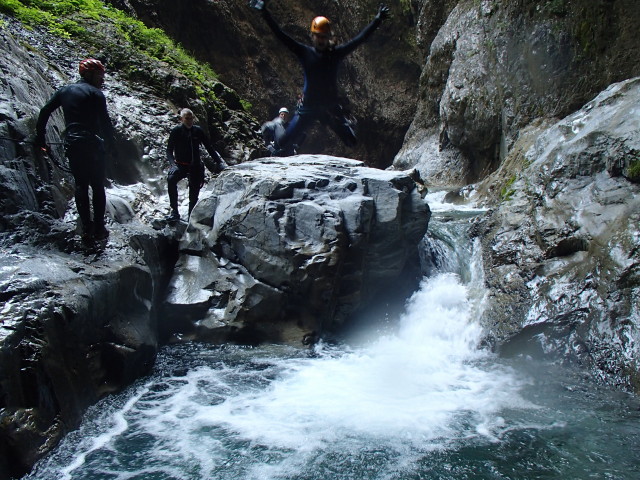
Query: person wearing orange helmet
320 62
88 126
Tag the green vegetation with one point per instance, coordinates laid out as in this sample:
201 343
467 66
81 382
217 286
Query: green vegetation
405 6
507 192
77 19
633 172
594 28
246 105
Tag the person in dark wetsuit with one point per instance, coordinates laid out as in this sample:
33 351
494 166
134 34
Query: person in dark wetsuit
183 155
320 62
274 131
88 126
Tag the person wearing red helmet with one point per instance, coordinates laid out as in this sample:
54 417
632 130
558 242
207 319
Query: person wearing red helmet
88 127
320 61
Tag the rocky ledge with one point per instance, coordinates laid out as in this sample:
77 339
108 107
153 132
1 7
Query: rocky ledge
76 324
276 250
287 249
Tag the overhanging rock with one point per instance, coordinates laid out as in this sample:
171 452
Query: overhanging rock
284 247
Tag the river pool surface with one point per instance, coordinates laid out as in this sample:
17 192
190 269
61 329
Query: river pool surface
421 400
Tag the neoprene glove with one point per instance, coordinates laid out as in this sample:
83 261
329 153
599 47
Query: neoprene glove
257 4
173 169
383 12
217 168
40 142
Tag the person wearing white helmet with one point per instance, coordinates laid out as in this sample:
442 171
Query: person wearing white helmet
274 131
183 157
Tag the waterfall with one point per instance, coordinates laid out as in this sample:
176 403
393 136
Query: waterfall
422 402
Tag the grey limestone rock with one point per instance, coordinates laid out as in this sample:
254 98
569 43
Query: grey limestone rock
562 247
295 244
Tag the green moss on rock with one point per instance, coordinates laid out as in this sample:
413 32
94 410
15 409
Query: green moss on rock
129 42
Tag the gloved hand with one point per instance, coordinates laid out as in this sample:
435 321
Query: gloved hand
218 167
383 12
40 143
257 4
219 163
173 169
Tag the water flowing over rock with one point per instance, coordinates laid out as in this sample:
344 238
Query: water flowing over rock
286 250
563 247
79 322
283 248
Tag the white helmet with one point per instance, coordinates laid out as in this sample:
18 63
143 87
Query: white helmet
283 110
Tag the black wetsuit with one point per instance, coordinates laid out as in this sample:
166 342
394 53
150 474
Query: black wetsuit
183 152
273 132
320 92
87 127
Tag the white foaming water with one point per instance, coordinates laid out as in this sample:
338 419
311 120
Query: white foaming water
425 388
436 201
427 385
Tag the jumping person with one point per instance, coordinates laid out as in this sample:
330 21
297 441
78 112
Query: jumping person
320 62
88 127
183 155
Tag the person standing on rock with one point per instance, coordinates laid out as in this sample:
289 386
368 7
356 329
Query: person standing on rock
183 155
273 132
320 62
88 128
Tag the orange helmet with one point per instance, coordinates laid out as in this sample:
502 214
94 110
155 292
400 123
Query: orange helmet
321 25
90 64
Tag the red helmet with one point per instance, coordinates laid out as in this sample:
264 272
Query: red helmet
321 25
90 64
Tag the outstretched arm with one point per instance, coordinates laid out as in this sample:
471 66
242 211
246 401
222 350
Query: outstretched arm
288 41
351 45
215 156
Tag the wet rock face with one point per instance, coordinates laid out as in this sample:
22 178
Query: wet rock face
494 67
280 248
562 248
73 329
379 79
79 321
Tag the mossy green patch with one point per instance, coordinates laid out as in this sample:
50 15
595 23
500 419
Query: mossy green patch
78 19
507 192
633 172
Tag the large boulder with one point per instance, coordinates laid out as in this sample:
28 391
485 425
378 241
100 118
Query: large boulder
562 246
493 67
281 248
